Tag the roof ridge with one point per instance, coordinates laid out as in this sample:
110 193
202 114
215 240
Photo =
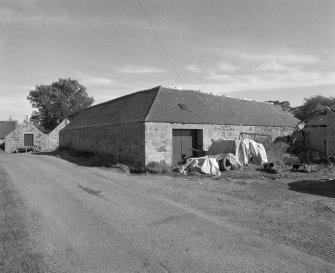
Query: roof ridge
159 89
121 98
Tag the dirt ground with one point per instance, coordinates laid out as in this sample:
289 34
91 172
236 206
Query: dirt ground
103 220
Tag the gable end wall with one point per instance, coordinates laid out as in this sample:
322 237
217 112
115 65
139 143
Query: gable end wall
16 138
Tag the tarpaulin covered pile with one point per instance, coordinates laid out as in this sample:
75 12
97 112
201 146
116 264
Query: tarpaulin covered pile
209 164
206 165
237 152
244 150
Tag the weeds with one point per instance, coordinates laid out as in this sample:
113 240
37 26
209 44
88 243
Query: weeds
16 251
91 159
277 153
86 158
159 168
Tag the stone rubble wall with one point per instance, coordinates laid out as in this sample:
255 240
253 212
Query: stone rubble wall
124 142
158 136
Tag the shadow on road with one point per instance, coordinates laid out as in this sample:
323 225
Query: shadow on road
318 187
93 192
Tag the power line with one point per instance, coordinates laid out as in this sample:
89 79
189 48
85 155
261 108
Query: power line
159 41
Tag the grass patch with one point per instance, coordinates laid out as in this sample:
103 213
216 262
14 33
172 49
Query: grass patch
86 158
327 168
90 159
17 253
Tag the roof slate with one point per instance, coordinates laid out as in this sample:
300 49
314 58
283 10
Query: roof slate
6 127
211 109
130 108
161 104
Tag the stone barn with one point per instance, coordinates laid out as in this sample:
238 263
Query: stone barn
27 135
162 124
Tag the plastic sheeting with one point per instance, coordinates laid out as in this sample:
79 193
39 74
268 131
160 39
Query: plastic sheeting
235 164
206 165
238 153
243 150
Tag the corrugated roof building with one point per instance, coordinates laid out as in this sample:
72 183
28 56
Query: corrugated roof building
162 124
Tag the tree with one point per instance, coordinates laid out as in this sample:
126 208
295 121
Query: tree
61 100
312 105
284 105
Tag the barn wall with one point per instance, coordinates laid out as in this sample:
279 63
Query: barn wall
158 136
16 138
123 141
53 137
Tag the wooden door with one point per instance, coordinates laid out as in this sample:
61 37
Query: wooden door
28 140
182 142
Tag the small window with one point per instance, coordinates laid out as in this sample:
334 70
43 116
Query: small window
183 106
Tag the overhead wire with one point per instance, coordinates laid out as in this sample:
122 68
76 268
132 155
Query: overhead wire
160 41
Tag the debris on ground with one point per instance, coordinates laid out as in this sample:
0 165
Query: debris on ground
272 168
305 167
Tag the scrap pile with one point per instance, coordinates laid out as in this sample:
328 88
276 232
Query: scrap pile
225 155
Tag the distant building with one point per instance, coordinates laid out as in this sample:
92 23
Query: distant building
27 135
163 124
6 127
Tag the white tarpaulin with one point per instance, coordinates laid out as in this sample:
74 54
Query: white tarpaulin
206 164
242 149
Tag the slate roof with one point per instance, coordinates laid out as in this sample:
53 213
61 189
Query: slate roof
6 127
161 104
130 108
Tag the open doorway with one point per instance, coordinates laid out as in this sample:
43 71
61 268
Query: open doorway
182 142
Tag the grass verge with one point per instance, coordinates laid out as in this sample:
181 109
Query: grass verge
90 159
17 253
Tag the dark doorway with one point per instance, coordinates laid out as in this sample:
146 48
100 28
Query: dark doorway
28 140
182 142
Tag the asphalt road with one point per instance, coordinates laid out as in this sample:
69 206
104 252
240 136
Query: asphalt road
98 220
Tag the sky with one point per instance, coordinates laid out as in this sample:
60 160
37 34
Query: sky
255 49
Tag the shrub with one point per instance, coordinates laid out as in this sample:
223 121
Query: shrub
160 168
289 160
276 153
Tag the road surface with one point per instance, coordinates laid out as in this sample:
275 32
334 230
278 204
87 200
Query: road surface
99 220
